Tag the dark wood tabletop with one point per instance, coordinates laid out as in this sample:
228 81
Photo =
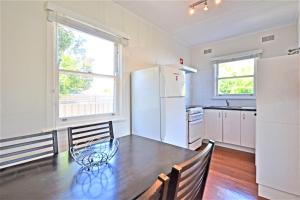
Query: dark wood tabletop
133 169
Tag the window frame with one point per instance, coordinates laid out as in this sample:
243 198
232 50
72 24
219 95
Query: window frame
234 96
118 91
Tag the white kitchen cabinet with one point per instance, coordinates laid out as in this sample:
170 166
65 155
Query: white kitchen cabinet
232 127
213 125
248 124
278 127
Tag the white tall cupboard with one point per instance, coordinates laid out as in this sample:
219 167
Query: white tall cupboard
278 121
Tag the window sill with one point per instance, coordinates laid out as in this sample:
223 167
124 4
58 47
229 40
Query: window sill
62 125
235 97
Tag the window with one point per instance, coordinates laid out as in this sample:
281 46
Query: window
88 73
236 78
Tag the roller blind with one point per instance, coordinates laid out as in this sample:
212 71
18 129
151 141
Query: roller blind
237 56
80 24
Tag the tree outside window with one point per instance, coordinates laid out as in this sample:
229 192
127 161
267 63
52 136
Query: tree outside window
236 78
87 73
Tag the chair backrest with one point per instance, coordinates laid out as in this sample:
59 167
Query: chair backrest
188 179
159 189
17 150
79 136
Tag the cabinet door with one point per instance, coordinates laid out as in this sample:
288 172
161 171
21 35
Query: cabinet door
213 125
248 126
232 127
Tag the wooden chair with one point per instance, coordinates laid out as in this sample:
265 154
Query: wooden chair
79 136
158 191
17 150
188 179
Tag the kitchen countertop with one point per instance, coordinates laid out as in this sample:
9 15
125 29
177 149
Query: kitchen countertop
193 106
241 108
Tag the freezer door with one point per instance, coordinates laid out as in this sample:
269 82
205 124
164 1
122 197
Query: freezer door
172 82
173 122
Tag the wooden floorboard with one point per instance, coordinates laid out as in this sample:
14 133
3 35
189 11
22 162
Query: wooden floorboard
231 176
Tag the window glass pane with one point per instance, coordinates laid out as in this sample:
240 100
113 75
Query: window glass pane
236 86
83 52
83 95
236 68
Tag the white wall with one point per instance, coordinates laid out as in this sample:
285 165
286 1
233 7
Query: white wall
25 93
203 81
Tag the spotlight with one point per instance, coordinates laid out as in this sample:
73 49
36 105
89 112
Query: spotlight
192 11
218 1
205 6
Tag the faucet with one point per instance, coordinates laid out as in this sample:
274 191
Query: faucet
227 102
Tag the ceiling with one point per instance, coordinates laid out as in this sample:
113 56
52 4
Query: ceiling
228 19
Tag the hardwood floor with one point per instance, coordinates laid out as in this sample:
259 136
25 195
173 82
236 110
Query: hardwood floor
231 176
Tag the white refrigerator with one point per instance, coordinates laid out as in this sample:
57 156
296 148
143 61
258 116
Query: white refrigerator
278 127
158 104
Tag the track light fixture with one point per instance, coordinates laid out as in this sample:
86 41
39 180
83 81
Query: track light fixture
204 2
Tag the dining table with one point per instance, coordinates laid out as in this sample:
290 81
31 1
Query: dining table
132 170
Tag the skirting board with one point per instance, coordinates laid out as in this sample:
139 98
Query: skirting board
273 194
231 146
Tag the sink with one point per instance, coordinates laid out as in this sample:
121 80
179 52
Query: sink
216 106
234 107
230 107
226 107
